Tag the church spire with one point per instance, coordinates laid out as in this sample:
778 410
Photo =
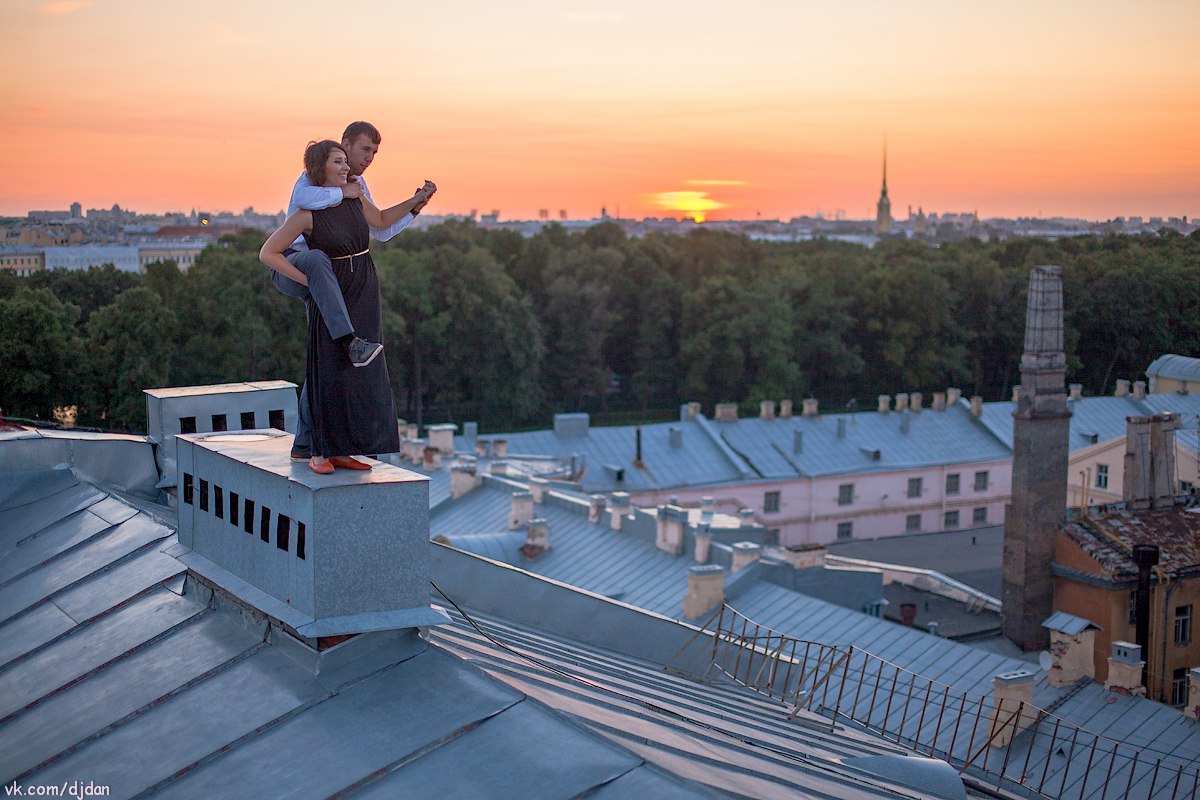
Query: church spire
883 209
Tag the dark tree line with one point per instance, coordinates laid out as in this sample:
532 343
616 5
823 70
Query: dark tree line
491 326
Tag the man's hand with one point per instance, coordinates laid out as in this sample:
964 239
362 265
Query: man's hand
352 190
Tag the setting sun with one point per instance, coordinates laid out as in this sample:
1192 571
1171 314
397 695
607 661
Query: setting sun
690 204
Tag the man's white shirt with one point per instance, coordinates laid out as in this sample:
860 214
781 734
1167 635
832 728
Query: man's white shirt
314 198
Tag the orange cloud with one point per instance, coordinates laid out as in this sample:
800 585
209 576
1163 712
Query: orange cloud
60 8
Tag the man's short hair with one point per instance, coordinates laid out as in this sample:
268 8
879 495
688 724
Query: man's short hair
360 128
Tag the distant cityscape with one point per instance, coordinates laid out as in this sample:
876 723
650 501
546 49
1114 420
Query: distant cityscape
75 238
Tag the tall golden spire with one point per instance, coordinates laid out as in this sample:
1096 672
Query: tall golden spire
883 209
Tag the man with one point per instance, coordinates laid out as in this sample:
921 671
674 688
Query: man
361 141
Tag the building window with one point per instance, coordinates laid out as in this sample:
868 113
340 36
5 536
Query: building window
951 520
845 494
952 483
1102 476
770 502
914 487
1183 624
845 530
981 481
912 523
1179 687
979 516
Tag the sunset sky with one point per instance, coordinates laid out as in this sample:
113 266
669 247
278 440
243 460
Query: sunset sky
779 107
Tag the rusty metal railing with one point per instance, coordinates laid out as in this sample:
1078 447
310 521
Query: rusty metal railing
1014 746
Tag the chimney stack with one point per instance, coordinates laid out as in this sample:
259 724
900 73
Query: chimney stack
705 590
809 407
1072 649
785 409
766 409
596 508
1039 472
463 478
914 400
500 448
522 510
537 538
1139 390
902 401
745 554
441 437
1125 670
703 541
620 510
952 395
537 488
1149 480
977 405
939 401
1016 393
746 518
1122 389
885 403
797 442
689 411
671 523
1012 709
1076 390
726 412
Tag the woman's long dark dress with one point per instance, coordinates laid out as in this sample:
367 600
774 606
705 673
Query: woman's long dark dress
353 410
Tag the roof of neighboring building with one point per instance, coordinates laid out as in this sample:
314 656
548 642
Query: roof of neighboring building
1069 624
975 557
700 459
872 442
1175 366
1109 534
1098 419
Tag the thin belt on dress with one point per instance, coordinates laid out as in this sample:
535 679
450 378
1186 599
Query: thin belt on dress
352 256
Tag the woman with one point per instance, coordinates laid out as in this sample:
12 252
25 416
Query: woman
353 410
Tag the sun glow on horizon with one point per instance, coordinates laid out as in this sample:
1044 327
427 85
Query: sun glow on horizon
693 204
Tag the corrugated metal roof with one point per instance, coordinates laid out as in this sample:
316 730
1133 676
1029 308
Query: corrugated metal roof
697 461
1097 419
870 442
1069 624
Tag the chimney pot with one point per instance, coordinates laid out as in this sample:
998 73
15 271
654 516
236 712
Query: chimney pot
1076 391
1139 390
902 401
914 400
766 409
952 395
885 403
620 510
785 409
1122 389
809 407
939 401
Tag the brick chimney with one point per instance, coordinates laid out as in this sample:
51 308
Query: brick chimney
522 510
901 401
1075 391
953 394
500 448
726 412
538 488
809 407
1122 389
914 400
977 405
703 542
1039 472
1012 706
596 506
745 554
463 478
939 401
705 590
1139 390
672 520
620 509
766 409
537 538
1072 648
885 404
785 409
1125 667
441 437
